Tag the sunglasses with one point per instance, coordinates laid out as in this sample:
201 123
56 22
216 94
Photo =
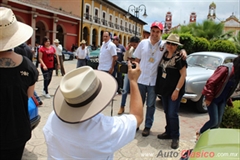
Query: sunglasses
172 44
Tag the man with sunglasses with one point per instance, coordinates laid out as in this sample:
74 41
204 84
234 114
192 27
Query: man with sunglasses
149 53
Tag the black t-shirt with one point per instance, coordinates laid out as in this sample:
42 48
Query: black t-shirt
15 122
24 50
166 86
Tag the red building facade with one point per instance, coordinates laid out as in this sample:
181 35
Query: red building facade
46 22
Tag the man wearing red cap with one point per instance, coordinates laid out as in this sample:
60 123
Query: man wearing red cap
149 53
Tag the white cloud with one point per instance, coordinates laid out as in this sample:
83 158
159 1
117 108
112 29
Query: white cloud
181 9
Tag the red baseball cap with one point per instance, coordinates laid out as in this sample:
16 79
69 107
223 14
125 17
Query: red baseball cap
158 25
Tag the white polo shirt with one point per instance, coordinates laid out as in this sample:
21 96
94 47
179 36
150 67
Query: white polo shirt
107 51
82 53
95 139
58 49
150 57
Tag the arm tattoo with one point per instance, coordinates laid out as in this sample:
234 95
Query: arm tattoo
7 63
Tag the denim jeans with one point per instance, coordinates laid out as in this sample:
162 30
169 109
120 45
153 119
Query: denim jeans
119 76
148 91
36 96
126 88
215 112
171 109
47 76
81 62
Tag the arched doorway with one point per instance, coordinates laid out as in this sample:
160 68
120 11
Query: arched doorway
94 37
124 41
60 35
85 35
101 40
120 37
40 32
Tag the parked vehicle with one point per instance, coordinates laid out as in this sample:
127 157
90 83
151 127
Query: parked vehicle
95 53
212 145
201 66
93 58
67 55
33 113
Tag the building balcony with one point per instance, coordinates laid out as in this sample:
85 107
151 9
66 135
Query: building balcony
104 22
96 19
122 28
110 24
87 16
117 26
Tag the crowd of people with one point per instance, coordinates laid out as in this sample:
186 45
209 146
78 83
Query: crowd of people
154 67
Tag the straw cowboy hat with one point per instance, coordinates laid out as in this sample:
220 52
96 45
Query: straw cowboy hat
83 42
174 38
82 94
12 32
56 41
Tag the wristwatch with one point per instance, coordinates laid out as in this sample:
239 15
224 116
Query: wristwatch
177 89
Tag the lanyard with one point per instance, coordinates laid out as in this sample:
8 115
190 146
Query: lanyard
165 65
150 46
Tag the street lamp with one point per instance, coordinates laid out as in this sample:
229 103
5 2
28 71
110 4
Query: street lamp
136 10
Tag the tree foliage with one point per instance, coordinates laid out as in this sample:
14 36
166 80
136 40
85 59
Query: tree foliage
208 29
223 46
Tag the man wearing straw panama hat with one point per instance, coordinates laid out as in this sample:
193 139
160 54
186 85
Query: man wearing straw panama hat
17 78
77 130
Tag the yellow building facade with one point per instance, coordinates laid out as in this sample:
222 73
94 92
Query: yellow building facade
232 24
100 16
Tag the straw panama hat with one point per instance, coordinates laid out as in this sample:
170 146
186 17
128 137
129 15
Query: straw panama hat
83 42
56 41
174 38
82 94
12 32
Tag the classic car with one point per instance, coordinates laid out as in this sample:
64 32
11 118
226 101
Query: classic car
67 55
93 58
201 66
212 146
33 113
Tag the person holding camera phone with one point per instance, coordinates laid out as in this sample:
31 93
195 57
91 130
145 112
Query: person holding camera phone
76 128
133 43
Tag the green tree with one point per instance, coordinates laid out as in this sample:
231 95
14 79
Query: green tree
208 29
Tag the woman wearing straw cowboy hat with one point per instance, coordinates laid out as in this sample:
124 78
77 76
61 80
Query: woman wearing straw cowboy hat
77 130
170 85
17 78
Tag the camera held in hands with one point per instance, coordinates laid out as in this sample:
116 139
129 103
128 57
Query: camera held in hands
123 66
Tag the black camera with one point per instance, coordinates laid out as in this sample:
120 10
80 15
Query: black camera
123 66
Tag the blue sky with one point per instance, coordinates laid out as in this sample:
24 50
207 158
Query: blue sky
181 9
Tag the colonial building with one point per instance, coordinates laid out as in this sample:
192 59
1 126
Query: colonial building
232 24
146 34
63 20
168 22
212 11
193 17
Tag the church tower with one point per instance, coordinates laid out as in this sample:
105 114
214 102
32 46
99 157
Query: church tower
168 22
211 13
193 17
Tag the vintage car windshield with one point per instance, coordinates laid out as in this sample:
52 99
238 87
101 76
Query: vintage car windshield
204 61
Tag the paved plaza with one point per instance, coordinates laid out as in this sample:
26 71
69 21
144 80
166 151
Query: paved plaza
141 148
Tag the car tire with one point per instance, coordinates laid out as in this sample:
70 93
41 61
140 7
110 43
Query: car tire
200 105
